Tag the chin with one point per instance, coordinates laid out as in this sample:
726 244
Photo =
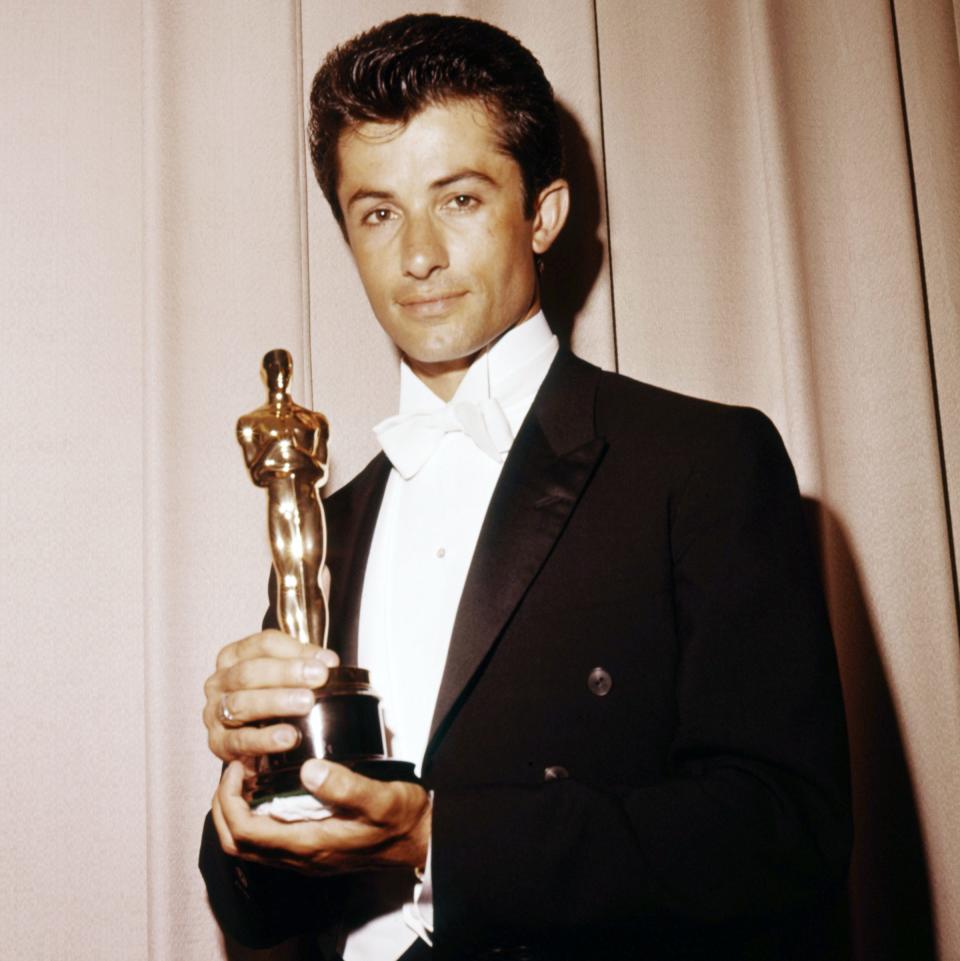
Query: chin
444 352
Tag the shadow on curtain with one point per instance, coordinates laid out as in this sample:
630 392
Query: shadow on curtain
573 264
888 913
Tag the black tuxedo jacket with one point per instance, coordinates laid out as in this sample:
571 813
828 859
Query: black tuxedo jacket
638 746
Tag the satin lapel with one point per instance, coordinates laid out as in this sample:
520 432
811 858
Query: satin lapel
351 518
552 459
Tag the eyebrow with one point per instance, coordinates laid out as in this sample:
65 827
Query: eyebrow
363 194
462 175
366 194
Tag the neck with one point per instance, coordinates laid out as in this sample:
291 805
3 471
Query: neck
443 378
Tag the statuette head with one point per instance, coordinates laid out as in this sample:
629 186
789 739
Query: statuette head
276 370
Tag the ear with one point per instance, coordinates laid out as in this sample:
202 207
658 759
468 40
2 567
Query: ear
550 214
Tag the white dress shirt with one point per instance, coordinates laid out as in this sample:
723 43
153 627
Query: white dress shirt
422 546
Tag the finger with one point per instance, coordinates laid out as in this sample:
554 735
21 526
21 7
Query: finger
237 708
268 643
264 672
223 831
231 744
272 643
253 835
231 804
376 802
330 843
226 716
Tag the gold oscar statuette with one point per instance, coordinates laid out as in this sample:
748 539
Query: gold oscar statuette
285 448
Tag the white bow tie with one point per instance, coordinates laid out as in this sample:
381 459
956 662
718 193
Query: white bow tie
409 440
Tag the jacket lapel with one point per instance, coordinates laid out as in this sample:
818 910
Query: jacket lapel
351 519
552 459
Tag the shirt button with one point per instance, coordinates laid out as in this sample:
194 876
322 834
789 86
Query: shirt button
441 552
599 682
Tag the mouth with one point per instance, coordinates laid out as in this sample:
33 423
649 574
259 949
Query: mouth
432 305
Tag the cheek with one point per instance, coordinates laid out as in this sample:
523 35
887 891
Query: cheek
495 264
512 274
510 243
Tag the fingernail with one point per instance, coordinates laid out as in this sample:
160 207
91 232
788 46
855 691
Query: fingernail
283 737
313 774
314 672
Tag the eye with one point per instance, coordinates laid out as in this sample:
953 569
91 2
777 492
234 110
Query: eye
379 215
463 202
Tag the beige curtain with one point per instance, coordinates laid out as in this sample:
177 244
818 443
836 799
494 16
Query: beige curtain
767 212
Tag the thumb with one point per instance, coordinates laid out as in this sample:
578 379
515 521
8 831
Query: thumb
333 784
313 774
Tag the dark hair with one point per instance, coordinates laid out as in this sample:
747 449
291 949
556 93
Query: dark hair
395 70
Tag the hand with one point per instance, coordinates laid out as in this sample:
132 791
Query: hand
374 824
267 675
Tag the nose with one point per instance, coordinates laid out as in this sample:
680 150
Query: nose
423 250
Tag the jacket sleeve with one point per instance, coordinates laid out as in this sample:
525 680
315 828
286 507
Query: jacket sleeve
260 906
750 817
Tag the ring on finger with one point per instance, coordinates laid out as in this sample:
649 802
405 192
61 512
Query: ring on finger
227 717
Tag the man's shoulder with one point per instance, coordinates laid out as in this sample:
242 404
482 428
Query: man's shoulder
629 409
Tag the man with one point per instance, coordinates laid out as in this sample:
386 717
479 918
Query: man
589 603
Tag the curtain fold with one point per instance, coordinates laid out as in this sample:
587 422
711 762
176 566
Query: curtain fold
929 55
223 283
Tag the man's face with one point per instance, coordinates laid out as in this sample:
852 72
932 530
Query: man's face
434 215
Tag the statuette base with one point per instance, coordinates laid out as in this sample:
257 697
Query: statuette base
345 725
